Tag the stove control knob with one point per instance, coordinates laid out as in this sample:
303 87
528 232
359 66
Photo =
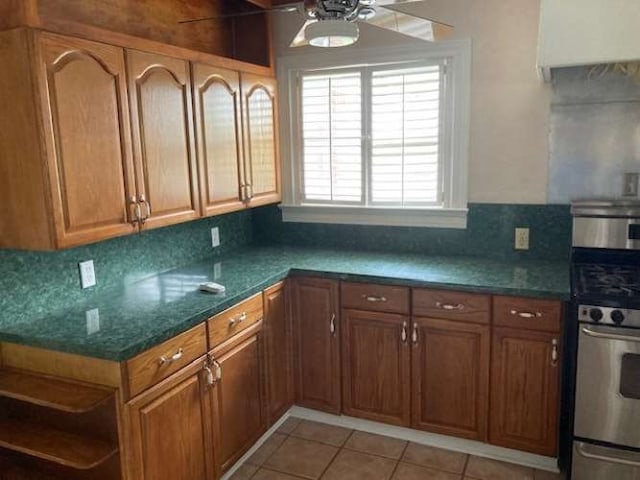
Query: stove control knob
595 314
617 316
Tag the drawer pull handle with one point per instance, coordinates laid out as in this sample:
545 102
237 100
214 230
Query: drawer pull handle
210 378
414 334
403 335
374 298
554 352
525 314
239 319
173 358
218 370
449 306
332 324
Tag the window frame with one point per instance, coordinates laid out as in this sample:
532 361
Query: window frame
452 213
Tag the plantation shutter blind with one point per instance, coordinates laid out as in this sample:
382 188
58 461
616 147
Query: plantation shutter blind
332 137
372 136
405 133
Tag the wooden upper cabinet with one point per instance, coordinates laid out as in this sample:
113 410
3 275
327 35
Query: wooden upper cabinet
376 366
260 128
316 328
219 134
164 150
277 334
450 384
239 415
87 136
525 376
170 429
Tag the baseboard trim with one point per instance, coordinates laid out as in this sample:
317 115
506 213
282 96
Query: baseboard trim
470 447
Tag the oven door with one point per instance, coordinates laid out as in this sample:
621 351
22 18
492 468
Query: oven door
593 462
608 385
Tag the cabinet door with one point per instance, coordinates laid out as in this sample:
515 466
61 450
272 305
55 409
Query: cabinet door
450 365
166 170
170 429
277 334
375 366
239 415
218 127
86 121
317 346
260 127
524 390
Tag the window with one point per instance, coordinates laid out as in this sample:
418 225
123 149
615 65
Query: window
377 143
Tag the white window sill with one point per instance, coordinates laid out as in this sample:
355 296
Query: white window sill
397 217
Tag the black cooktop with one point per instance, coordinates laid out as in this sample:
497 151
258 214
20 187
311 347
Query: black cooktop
607 280
606 277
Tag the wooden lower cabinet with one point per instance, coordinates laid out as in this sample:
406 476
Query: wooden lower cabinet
170 429
525 376
239 413
316 328
375 365
450 384
277 339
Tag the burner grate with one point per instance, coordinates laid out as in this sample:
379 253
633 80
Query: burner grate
608 280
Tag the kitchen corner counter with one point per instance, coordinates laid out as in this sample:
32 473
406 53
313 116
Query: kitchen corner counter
124 322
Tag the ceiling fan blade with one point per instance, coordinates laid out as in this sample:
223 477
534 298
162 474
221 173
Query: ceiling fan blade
385 3
410 25
300 40
285 9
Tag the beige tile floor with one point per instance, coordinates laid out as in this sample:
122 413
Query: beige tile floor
302 449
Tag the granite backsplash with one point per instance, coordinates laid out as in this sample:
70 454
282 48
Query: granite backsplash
489 233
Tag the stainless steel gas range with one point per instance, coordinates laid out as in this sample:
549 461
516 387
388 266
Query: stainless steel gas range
606 294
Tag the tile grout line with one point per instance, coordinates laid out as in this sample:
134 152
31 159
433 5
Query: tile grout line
395 469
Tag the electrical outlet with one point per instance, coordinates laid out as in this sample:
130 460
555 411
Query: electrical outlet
87 274
522 238
215 237
92 318
631 184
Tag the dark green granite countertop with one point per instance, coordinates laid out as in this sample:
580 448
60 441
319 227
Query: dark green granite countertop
143 314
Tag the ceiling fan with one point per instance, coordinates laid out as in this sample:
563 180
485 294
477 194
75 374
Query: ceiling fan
334 23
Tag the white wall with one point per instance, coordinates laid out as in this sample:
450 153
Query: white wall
510 106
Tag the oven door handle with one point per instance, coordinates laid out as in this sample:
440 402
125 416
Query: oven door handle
610 336
580 447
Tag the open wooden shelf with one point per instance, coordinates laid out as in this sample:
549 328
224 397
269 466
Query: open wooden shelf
51 393
62 448
11 472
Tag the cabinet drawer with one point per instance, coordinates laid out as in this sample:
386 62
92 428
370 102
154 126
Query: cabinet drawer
234 320
159 362
527 313
461 306
377 298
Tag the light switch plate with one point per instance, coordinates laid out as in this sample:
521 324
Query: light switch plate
522 238
215 237
87 274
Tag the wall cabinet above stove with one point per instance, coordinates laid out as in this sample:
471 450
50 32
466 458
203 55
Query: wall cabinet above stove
99 141
587 32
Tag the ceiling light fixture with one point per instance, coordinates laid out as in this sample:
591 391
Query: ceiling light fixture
332 33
